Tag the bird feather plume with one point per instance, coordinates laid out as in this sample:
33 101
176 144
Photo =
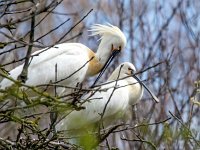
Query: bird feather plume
103 30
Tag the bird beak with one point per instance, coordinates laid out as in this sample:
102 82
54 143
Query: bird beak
112 56
151 93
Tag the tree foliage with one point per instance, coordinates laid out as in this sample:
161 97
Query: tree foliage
163 44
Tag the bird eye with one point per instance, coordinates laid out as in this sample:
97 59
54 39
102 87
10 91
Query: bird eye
120 47
131 70
112 47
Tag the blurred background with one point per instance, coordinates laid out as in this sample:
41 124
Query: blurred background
161 33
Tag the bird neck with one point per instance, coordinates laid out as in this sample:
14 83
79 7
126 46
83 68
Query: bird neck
135 96
94 65
100 57
103 51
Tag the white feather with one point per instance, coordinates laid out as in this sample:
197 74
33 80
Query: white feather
69 57
128 93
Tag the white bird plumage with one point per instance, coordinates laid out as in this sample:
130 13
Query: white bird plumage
70 58
128 92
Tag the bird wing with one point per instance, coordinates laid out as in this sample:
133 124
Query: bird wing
46 54
116 101
94 107
69 58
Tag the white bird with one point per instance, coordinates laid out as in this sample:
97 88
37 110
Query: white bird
74 61
110 102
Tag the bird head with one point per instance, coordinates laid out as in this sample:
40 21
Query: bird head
113 41
123 70
128 70
111 37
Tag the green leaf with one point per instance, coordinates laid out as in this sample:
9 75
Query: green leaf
88 141
185 133
10 26
167 133
2 45
195 102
